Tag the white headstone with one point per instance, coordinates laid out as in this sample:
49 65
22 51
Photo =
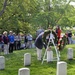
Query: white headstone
61 68
2 62
49 56
24 71
70 53
27 59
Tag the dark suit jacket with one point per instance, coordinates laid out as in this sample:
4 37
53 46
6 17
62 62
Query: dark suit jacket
39 42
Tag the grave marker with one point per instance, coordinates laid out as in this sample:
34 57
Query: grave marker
27 59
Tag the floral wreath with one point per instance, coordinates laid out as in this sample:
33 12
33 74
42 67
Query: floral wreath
62 41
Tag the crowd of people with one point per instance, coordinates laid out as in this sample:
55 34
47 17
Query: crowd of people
12 41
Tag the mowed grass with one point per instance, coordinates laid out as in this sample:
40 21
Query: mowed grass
15 61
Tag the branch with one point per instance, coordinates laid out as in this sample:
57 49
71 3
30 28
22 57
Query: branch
4 7
62 14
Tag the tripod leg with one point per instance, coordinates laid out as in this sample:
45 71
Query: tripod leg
56 50
46 51
44 56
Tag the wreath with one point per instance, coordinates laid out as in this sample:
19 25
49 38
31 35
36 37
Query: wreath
60 46
63 43
45 35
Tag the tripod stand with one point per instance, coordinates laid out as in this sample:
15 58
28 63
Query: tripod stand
51 40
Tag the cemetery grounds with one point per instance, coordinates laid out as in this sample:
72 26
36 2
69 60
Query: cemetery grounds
15 61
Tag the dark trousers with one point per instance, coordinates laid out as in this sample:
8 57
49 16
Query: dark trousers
18 45
15 45
11 47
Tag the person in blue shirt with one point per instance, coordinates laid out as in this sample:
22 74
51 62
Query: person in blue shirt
11 42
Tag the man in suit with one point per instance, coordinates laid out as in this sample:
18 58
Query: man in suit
39 45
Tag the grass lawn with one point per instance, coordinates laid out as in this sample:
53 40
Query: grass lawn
15 60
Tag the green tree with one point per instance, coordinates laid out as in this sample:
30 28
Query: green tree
27 15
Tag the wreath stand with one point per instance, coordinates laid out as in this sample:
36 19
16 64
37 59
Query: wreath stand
51 40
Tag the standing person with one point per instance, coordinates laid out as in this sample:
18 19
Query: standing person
15 41
6 42
66 34
39 45
70 37
1 43
25 40
30 38
18 41
11 42
58 32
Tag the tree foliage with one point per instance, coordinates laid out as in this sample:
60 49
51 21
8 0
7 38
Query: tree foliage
27 15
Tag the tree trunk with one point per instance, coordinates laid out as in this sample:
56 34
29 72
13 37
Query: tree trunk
4 7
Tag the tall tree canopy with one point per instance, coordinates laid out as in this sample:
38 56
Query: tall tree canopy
27 15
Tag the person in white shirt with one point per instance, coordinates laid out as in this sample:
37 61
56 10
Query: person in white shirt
18 41
29 43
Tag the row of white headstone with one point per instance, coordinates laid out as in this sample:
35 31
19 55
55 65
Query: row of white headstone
61 66
27 60
61 69
50 55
